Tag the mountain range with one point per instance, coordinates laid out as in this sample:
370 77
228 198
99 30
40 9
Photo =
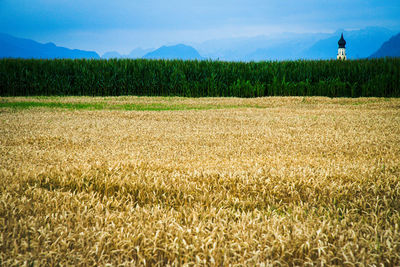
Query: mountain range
360 44
291 46
13 47
363 43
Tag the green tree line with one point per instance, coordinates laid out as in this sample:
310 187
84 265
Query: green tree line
352 78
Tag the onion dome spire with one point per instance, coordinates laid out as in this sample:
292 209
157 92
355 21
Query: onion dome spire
342 42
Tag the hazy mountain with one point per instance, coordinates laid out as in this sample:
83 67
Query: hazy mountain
13 47
139 52
112 54
179 51
286 49
135 53
390 48
291 46
274 47
360 44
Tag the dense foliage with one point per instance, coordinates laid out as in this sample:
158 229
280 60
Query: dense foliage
354 78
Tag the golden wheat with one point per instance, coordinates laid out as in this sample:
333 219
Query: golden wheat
295 181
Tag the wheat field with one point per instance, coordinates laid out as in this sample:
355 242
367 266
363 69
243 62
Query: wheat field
210 181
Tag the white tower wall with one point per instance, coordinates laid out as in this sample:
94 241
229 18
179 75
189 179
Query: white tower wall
341 54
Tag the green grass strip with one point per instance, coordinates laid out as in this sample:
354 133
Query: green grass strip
105 106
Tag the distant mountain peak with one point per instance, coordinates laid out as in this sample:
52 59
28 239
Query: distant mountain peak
179 51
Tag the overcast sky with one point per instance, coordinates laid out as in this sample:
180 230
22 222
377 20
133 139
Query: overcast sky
121 25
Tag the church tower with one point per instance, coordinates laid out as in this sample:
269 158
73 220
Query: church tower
341 55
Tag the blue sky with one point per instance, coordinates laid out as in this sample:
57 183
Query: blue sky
121 25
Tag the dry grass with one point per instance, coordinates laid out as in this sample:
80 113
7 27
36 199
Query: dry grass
295 181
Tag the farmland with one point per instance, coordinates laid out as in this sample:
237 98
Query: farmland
206 181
